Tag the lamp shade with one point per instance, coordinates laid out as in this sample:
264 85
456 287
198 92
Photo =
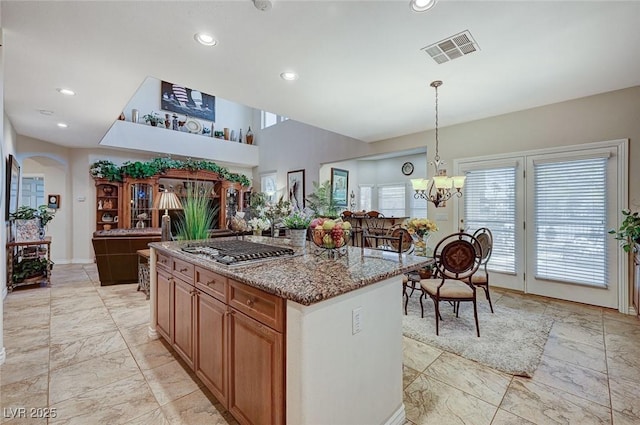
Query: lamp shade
442 182
458 181
420 184
169 201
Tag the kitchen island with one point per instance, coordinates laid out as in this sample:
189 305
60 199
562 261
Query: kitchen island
299 339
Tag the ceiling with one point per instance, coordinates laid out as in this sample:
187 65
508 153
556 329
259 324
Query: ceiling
362 73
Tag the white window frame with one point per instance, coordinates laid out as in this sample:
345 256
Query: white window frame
263 119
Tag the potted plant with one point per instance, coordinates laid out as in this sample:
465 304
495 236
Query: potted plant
258 225
153 118
297 222
629 231
30 269
198 217
320 201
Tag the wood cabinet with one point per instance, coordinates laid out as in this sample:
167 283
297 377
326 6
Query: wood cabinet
256 371
133 201
211 345
164 303
230 334
108 204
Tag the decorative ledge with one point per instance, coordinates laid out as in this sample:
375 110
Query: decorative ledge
128 135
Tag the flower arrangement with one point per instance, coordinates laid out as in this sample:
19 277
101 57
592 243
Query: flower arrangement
297 220
420 226
257 223
275 212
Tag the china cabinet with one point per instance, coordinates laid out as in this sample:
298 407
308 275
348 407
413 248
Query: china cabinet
108 204
132 203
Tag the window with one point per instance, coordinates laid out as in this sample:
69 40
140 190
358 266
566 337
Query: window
391 200
33 191
490 201
366 194
571 214
269 118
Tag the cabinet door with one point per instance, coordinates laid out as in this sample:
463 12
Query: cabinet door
211 345
256 377
183 309
164 304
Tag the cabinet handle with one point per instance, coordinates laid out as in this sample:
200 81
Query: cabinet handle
211 282
250 302
183 270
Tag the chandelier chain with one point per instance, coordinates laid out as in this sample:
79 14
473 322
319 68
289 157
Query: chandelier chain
437 157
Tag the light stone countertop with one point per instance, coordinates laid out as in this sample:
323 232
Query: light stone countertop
309 276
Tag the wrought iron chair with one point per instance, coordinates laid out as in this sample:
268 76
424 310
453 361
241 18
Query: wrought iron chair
457 257
480 279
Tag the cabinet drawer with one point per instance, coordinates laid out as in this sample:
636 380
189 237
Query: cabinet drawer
212 283
163 261
265 308
183 270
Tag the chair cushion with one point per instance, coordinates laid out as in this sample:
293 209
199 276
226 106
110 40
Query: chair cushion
451 289
479 278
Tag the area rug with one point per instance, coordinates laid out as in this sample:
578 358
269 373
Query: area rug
511 341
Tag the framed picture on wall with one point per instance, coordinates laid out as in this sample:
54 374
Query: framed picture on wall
295 187
13 183
339 186
185 101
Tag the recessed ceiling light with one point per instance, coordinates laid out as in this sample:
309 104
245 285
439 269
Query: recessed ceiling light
66 92
289 76
205 39
421 5
45 112
62 125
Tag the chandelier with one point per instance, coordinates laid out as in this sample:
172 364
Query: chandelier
442 187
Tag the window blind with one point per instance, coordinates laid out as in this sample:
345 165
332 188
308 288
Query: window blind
366 192
571 215
490 201
391 200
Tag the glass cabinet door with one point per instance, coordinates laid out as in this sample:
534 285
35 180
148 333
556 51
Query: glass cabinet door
141 205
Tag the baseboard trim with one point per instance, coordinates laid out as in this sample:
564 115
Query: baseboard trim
398 417
3 355
81 261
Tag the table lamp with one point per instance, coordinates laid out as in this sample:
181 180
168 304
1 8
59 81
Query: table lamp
168 201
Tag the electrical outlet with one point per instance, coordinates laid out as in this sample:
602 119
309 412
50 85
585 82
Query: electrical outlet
356 320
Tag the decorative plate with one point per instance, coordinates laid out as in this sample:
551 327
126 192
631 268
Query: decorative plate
193 126
407 168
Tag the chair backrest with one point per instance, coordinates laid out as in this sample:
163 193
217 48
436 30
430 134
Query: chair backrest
400 239
485 240
457 256
346 213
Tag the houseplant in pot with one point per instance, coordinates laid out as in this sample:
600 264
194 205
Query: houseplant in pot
321 202
629 231
153 118
297 222
199 216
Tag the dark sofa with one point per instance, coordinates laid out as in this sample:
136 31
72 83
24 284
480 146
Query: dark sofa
116 253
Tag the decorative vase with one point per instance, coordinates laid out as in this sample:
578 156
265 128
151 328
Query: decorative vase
298 236
420 243
249 137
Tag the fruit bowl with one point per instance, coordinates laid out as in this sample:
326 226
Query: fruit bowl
330 238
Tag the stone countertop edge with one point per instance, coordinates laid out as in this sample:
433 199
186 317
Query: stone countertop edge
309 276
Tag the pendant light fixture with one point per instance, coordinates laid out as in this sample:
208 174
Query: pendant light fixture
442 187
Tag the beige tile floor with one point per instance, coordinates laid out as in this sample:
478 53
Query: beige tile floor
83 350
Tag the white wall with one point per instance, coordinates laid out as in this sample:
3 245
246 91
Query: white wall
293 145
228 114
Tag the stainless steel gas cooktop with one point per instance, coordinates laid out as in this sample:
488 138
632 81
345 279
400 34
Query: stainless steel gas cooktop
237 251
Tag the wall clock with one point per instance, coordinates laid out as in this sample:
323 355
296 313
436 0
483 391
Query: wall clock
407 168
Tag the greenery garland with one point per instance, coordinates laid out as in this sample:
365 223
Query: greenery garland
142 170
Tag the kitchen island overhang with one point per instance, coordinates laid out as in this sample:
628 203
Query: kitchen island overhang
343 333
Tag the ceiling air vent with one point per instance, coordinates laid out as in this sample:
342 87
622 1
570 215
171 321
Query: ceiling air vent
451 48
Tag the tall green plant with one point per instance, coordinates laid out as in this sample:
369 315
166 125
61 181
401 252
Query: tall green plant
199 216
321 202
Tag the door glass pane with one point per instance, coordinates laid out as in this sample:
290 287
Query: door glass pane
490 201
570 213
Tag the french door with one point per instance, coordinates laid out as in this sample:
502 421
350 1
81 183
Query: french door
550 212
